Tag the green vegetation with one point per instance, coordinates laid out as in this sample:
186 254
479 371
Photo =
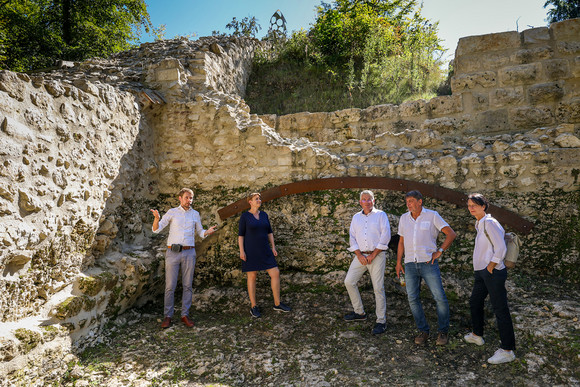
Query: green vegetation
69 307
562 10
358 53
36 33
29 339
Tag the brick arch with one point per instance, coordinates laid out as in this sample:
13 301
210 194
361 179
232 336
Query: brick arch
505 217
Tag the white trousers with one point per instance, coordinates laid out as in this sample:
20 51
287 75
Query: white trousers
377 271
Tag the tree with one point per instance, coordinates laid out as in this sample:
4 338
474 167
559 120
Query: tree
38 32
245 27
563 10
343 29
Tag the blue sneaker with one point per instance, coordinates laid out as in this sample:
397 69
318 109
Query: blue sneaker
282 308
379 328
352 316
255 312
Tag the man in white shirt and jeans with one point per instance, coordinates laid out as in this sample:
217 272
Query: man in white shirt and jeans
370 234
183 223
418 230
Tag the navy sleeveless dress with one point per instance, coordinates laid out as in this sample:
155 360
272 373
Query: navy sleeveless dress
259 254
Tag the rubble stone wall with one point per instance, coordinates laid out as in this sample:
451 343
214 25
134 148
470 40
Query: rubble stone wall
85 152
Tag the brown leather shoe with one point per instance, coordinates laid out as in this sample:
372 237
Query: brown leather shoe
187 321
166 322
442 339
421 338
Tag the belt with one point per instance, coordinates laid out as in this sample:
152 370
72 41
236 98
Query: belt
184 247
366 252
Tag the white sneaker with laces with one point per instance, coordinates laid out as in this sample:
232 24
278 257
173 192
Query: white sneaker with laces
502 356
474 339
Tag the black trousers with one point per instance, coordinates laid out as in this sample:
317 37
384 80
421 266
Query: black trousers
494 285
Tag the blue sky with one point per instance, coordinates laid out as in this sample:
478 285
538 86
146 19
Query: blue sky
457 18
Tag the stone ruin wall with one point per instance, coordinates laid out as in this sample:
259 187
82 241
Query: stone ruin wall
86 151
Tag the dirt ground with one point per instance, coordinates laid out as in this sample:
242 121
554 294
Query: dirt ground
314 346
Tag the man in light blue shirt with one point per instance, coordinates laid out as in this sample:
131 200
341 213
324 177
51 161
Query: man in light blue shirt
418 230
183 223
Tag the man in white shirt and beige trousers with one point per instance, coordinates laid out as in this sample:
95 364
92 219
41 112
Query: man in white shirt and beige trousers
370 234
183 223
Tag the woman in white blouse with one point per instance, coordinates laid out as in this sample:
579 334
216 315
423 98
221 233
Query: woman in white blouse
490 275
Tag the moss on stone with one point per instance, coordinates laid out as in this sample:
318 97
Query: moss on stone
109 279
29 339
50 332
89 303
91 286
69 307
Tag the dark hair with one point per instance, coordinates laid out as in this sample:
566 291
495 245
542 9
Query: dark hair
479 199
414 194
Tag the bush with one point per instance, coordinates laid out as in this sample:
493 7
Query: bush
358 53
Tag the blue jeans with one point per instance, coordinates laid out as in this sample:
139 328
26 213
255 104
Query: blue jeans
414 272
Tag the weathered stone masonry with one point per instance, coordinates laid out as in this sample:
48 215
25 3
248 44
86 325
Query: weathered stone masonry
86 151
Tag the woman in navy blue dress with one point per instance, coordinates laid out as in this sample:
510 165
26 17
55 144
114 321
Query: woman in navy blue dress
258 252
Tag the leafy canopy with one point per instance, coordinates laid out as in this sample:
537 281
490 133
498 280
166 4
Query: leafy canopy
356 54
246 27
563 10
35 33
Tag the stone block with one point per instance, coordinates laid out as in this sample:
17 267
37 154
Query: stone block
28 339
269 119
301 121
530 117
517 75
167 75
441 125
568 112
379 112
536 35
506 96
343 116
86 86
480 62
532 55
54 88
566 30
491 121
556 69
444 105
489 42
413 108
545 92
28 205
91 286
568 48
479 101
69 308
10 84
567 140
16 129
463 82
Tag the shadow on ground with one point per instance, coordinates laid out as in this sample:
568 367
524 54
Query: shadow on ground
313 346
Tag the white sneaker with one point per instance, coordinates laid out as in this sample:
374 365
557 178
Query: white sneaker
474 339
502 356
